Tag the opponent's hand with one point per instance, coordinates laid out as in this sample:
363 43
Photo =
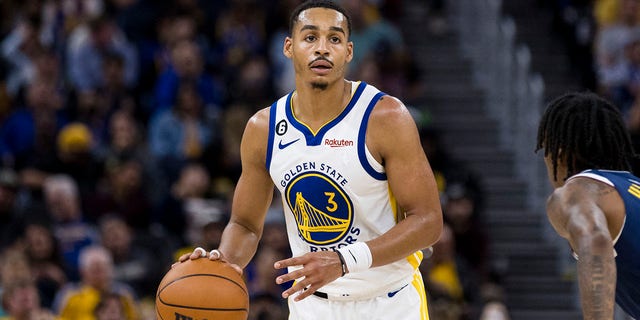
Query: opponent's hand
318 269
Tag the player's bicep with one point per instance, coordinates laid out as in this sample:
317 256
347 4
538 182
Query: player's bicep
395 139
254 190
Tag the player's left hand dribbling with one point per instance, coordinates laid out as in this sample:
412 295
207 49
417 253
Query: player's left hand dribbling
318 269
196 254
214 254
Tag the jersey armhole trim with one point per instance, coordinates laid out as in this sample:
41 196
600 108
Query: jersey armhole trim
272 128
362 152
594 177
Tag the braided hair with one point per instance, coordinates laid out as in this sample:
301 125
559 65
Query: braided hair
586 131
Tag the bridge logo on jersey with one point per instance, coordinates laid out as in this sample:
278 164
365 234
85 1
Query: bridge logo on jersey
322 210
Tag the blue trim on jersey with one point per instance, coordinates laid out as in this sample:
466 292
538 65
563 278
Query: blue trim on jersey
316 140
272 129
362 133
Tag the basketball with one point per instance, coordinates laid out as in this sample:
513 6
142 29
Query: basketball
202 289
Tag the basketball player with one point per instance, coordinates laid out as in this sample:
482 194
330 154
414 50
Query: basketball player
359 196
596 202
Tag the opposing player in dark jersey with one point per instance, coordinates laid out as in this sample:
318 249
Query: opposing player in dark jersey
596 201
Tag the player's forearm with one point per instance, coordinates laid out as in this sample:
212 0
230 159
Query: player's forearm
597 278
238 244
414 233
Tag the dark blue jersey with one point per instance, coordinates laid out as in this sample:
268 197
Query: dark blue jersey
627 243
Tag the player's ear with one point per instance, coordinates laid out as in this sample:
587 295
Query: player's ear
286 48
349 51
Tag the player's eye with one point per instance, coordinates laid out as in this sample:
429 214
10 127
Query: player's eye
310 38
335 40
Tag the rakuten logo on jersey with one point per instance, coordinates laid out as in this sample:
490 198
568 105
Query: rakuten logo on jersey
334 143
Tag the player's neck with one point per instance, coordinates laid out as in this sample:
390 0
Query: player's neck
315 107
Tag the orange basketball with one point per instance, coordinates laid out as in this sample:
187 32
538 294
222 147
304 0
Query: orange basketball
202 289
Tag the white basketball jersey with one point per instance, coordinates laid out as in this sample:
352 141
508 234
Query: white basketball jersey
333 190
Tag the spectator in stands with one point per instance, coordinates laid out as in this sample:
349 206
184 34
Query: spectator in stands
27 137
122 194
187 192
461 213
240 35
260 272
132 264
20 49
371 33
494 306
610 46
266 306
606 12
187 66
87 48
633 68
172 28
448 170
47 265
112 306
20 301
48 69
233 121
281 68
125 140
180 134
70 227
94 108
5 101
453 285
10 218
76 157
78 300
251 85
20 298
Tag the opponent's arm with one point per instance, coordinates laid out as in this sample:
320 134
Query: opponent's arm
393 139
252 196
575 214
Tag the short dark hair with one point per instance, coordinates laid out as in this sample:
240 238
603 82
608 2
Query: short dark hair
588 131
328 4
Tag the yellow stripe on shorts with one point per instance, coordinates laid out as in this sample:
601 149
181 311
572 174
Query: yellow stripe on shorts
418 284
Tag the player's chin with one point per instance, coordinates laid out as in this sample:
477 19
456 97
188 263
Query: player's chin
319 84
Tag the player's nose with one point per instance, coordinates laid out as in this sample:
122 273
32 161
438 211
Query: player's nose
322 48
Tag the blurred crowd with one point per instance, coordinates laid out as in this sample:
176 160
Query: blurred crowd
120 124
603 42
